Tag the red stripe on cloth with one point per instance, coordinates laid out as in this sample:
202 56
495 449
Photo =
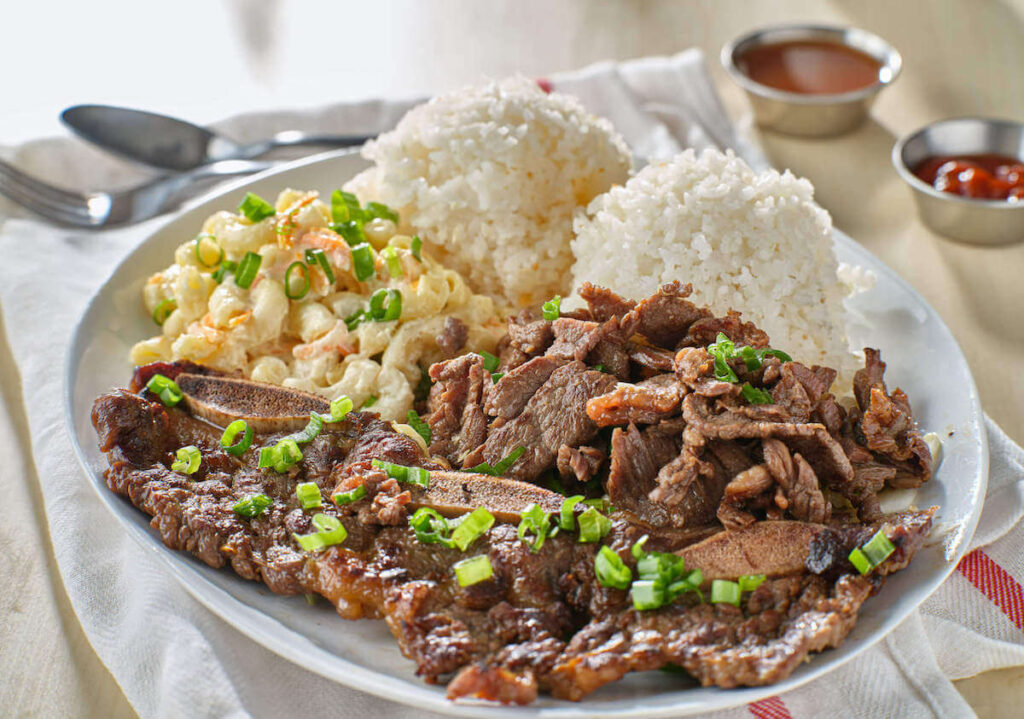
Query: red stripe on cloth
995 583
770 708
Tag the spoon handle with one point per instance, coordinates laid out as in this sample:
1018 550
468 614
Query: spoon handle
292 138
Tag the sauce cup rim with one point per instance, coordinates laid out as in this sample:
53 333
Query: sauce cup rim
889 57
919 185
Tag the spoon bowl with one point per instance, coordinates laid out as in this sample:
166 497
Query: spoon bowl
169 143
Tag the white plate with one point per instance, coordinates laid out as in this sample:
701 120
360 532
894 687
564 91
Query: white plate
922 355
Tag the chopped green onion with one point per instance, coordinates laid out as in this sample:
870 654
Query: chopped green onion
354 320
282 456
496 376
381 312
750 582
310 431
204 245
166 389
430 527
352 495
252 506
377 209
423 386
296 289
756 396
473 570
506 464
600 503
552 309
370 401
690 584
247 269
722 350
309 496
187 460
362 261
599 368
472 526
638 546
499 469
412 475
878 548
750 358
611 571
725 592
860 561
775 353
535 521
417 247
593 525
255 208
394 265
221 272
163 310
660 565
876 551
329 532
352 232
227 440
345 207
319 257
647 594
421 427
566 518
490 361
340 407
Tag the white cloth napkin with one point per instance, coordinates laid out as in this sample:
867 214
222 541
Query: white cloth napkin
174 658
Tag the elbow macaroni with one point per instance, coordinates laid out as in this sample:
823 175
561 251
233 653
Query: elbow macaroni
306 343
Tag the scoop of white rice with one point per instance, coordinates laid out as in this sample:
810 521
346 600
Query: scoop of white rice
490 177
753 242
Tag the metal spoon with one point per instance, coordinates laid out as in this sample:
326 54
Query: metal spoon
168 143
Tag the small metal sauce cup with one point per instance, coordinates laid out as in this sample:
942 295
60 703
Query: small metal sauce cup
812 115
983 222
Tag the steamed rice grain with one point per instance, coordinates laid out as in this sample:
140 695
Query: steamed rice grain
490 177
754 242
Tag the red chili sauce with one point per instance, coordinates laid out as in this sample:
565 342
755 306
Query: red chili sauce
809 67
984 177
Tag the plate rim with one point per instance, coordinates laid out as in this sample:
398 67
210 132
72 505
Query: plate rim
294 647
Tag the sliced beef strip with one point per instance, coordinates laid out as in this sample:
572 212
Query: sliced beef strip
582 464
705 332
596 343
457 421
453 336
646 402
813 441
747 486
636 458
799 484
509 396
887 424
651 359
692 484
528 336
554 416
665 317
694 367
603 303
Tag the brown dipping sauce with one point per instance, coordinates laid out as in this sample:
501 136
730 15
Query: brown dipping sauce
984 177
810 67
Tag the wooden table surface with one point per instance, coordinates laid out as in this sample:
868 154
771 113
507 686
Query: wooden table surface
962 57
